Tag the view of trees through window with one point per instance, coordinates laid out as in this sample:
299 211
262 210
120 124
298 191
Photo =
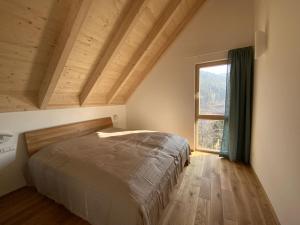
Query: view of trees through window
212 92
210 134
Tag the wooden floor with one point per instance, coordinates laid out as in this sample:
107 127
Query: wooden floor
211 191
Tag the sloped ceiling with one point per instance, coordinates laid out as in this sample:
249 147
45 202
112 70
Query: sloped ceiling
70 53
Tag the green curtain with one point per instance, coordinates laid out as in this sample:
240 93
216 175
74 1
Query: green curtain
238 105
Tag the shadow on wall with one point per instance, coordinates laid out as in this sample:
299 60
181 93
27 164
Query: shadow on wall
14 171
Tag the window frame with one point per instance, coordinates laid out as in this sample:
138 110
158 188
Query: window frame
198 116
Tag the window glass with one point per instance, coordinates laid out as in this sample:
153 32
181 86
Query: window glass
212 86
210 133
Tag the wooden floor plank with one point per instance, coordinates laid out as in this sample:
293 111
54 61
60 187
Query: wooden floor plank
229 222
229 208
241 202
251 195
210 191
204 188
263 203
186 198
202 212
216 206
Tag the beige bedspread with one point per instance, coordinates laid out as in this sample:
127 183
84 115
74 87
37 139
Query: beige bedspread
121 178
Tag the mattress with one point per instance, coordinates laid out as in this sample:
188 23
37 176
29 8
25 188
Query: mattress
112 178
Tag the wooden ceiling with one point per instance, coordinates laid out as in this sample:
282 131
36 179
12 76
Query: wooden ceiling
70 53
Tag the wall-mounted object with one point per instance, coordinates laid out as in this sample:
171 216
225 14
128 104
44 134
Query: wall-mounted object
6 142
115 119
260 43
5 137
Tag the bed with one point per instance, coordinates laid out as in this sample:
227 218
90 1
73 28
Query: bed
107 176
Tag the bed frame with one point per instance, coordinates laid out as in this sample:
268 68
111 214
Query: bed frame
37 139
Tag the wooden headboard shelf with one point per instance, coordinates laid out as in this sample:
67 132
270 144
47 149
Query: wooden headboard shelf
37 139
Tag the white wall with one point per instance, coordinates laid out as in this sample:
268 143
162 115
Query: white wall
276 125
12 163
165 99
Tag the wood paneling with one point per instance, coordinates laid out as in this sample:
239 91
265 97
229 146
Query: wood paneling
18 101
210 117
180 18
68 35
98 63
162 21
92 39
35 140
135 38
210 191
126 22
28 33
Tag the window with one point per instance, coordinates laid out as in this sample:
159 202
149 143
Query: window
210 105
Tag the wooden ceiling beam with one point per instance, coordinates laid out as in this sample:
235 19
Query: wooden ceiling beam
67 38
187 18
139 55
124 25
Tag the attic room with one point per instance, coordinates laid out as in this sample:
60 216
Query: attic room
149 112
